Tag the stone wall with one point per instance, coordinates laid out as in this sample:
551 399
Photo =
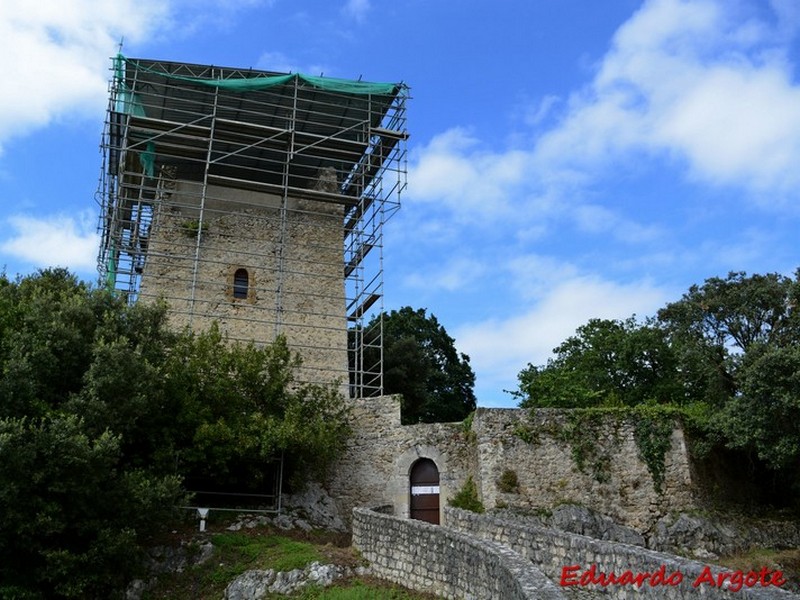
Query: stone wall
296 270
377 464
437 560
376 467
615 480
552 550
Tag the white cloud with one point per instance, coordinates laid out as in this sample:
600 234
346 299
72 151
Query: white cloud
198 17
474 183
281 63
54 242
54 56
537 114
500 347
592 218
740 126
277 61
455 275
696 81
357 9
481 187
533 275
704 85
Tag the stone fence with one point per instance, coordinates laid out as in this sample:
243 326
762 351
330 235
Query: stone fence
444 562
568 560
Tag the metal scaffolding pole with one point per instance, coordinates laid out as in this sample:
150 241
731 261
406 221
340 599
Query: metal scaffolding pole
255 200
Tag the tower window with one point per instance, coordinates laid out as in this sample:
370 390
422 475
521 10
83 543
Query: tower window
241 283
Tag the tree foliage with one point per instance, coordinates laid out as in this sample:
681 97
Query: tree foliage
104 411
764 415
607 362
73 515
727 353
420 361
713 327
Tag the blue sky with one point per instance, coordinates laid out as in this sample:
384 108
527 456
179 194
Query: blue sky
568 159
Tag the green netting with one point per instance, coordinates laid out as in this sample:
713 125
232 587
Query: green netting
126 102
260 82
147 159
111 267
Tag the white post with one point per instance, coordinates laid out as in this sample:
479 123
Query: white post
202 513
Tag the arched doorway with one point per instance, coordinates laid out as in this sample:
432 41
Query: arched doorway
424 490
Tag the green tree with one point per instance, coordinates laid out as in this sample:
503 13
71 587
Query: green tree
74 518
47 325
714 325
104 411
420 361
764 416
738 339
239 407
738 311
726 356
606 362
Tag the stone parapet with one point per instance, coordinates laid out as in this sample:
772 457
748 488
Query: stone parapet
444 562
566 557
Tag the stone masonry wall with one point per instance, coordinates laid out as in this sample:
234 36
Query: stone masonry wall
296 275
441 561
376 467
552 550
615 482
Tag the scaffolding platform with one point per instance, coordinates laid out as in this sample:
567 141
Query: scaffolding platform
256 200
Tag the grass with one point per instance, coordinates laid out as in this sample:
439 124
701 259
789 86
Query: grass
359 589
787 561
264 552
266 548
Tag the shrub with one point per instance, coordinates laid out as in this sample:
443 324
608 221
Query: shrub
508 482
467 497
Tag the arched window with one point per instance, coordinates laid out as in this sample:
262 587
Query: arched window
241 283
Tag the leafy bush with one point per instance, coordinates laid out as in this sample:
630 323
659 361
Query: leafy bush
104 411
73 515
508 482
467 497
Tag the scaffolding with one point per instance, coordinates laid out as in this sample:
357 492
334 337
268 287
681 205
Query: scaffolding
255 200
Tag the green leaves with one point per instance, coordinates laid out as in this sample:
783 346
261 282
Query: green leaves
420 361
765 415
737 311
72 518
607 363
466 498
239 406
104 412
727 355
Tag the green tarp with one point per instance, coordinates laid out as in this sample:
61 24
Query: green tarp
260 82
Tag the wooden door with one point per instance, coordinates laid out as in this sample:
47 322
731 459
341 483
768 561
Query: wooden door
425 491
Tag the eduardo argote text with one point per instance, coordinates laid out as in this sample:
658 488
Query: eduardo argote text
733 581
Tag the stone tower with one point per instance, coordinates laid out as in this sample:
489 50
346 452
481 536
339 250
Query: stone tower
255 200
